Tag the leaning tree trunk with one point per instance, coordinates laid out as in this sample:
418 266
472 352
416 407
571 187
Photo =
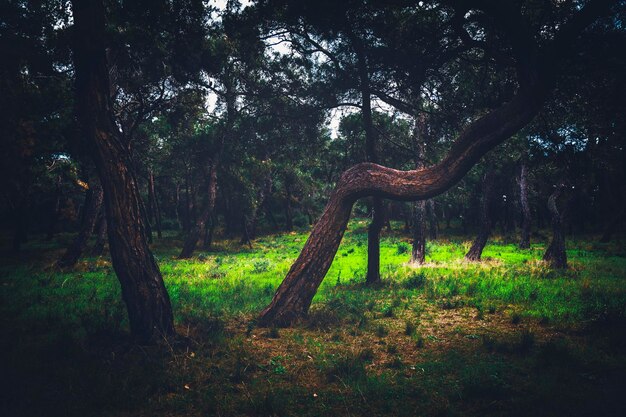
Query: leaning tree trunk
91 208
555 254
526 221
536 76
293 297
476 250
149 310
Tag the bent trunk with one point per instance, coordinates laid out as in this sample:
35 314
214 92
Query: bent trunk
479 243
294 295
93 203
149 310
555 254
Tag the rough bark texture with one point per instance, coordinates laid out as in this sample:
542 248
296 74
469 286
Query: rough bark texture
147 301
476 250
91 208
555 254
526 216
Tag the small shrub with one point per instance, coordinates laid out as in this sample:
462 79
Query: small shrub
415 281
366 355
387 311
419 341
516 318
381 331
272 333
392 349
402 248
409 328
349 368
260 265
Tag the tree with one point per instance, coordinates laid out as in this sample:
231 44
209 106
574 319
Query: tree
476 250
535 68
143 290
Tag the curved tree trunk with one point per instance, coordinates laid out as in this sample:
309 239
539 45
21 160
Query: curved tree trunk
535 73
149 310
476 250
526 221
293 297
555 254
91 208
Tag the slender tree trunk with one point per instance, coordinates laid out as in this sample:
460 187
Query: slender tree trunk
288 209
91 208
54 212
612 226
433 227
177 208
526 216
418 252
154 205
98 247
378 214
476 250
197 228
555 254
149 310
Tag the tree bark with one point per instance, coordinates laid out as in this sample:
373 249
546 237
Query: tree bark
526 216
555 254
149 310
91 208
476 250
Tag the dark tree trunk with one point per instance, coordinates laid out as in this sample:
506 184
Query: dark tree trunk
20 225
98 247
154 204
91 208
476 250
191 240
526 216
177 208
149 310
612 226
288 209
432 220
378 214
555 254
418 253
54 212
208 234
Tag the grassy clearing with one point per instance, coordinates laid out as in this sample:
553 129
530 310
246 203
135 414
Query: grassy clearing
507 336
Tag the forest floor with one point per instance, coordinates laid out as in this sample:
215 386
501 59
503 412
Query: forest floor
507 336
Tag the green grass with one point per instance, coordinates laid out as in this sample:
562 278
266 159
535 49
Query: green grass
450 337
